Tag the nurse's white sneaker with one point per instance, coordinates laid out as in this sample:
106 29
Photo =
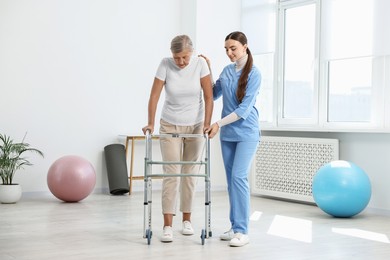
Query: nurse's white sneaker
239 239
227 236
167 235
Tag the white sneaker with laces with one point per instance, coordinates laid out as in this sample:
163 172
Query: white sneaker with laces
167 235
239 239
227 236
187 228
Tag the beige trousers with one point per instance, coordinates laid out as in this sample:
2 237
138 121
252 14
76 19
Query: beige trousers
179 149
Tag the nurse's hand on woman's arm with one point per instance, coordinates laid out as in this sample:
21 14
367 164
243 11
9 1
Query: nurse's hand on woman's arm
207 60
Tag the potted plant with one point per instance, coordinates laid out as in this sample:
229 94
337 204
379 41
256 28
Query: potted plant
11 160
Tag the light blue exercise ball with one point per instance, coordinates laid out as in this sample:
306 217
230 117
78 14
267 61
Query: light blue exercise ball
341 189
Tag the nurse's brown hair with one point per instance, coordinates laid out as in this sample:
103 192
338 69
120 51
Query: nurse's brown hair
243 80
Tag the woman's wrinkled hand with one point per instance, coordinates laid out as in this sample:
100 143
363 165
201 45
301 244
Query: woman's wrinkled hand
148 128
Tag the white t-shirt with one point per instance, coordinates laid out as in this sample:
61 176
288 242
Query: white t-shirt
183 104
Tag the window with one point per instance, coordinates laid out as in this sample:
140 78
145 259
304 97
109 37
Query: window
330 66
350 90
353 55
299 47
260 23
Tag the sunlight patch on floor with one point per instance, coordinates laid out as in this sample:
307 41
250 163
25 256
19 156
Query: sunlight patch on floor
354 232
291 228
255 216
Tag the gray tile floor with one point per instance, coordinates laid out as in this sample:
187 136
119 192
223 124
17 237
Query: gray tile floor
111 227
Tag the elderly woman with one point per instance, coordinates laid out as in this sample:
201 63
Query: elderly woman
187 110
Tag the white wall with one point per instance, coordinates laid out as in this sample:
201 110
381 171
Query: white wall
75 74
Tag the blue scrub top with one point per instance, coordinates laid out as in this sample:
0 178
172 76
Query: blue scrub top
247 127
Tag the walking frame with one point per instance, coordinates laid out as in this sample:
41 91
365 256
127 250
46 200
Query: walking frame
148 175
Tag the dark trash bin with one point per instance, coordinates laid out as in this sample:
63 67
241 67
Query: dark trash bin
118 179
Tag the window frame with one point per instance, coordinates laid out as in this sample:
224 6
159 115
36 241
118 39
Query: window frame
280 50
378 101
380 108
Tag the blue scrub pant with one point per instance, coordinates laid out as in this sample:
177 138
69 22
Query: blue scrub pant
237 157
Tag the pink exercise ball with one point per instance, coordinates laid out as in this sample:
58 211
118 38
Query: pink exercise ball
71 178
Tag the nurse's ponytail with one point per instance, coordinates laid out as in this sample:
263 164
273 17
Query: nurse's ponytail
243 80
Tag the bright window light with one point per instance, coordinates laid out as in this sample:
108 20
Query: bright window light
255 216
299 61
291 228
353 232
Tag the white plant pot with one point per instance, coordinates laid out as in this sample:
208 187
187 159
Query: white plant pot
10 193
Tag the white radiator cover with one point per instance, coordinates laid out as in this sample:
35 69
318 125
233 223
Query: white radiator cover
284 167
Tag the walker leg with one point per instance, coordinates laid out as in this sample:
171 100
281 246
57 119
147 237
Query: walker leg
203 236
208 210
148 235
